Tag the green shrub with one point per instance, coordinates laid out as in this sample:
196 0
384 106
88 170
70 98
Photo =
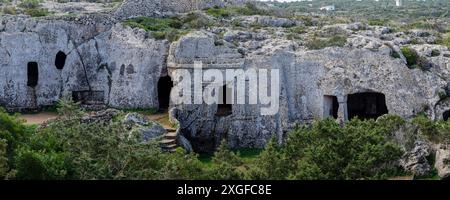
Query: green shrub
37 12
378 22
29 4
316 43
166 28
10 10
411 56
251 9
218 12
359 150
445 42
4 168
225 164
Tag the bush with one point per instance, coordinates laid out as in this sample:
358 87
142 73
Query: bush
378 22
359 150
10 10
445 42
218 12
3 159
251 9
165 28
411 56
338 41
225 164
37 12
29 4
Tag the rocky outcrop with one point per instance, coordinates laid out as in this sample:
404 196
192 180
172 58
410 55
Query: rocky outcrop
442 163
162 8
146 130
415 161
103 63
108 64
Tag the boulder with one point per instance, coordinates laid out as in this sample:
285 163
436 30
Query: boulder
442 163
145 128
184 143
415 161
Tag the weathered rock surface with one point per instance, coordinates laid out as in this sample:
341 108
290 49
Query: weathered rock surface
145 128
415 161
442 163
112 65
161 8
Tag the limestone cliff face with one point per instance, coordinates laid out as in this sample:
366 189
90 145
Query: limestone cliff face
306 78
160 8
105 63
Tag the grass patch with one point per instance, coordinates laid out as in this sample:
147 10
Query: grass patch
218 12
160 28
319 43
247 155
414 60
445 41
37 12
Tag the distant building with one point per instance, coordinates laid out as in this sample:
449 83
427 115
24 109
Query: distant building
328 8
398 3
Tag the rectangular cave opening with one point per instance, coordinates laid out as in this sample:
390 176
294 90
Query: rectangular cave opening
32 74
165 85
367 105
88 97
224 107
330 106
446 115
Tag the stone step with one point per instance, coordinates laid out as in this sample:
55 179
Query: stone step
171 130
167 142
169 147
170 135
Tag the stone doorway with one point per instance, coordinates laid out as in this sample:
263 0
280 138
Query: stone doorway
330 106
224 107
368 105
32 74
165 85
60 60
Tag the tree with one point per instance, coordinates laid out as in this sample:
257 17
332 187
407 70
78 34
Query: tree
269 165
225 164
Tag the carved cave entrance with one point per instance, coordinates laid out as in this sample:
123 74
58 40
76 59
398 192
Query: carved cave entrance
366 105
330 106
60 60
165 85
446 115
32 74
224 108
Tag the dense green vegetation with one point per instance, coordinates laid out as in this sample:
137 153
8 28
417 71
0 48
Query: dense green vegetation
169 28
248 9
320 43
68 149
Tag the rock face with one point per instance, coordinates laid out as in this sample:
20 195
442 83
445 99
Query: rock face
96 60
146 129
442 164
161 8
415 161
102 62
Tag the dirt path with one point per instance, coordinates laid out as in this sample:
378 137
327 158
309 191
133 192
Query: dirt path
161 118
38 118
